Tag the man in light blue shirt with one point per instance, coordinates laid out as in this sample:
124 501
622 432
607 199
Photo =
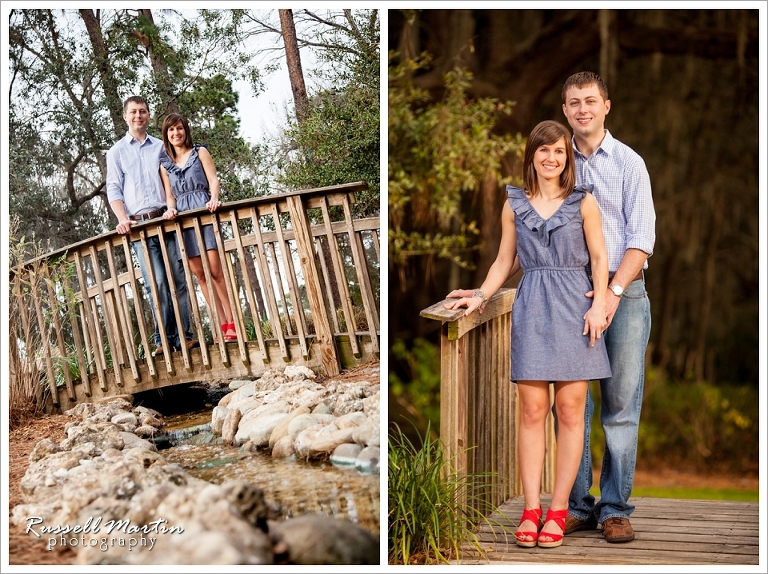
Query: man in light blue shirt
622 189
135 193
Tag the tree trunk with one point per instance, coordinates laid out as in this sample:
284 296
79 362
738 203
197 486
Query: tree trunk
162 77
108 82
293 58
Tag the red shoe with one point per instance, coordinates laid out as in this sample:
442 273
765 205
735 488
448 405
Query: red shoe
229 332
534 515
555 540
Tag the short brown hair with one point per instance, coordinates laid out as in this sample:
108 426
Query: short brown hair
548 132
584 79
135 100
170 121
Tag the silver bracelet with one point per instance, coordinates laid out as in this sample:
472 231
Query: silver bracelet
480 294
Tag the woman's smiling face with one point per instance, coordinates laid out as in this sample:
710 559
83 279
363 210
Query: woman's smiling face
177 134
550 160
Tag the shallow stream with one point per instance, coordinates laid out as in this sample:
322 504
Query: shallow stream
294 487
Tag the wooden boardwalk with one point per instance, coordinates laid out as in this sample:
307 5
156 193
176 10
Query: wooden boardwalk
667 531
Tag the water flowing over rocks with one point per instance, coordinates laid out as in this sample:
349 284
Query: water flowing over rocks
108 493
318 419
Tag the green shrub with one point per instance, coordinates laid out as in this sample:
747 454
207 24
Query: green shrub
700 425
420 367
432 509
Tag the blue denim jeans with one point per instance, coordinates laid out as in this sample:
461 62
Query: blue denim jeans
621 399
164 289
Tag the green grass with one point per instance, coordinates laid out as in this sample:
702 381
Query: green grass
432 511
699 493
736 494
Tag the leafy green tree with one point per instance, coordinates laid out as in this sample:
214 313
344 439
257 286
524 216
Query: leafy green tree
440 152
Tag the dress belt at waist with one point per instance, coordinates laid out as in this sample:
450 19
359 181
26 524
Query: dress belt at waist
638 276
146 216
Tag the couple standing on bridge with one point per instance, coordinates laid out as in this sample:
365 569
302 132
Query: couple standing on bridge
149 178
582 231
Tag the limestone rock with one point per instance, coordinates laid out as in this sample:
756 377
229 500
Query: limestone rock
301 422
230 426
122 419
43 449
281 429
283 448
103 434
299 372
328 439
345 454
316 540
146 431
262 428
218 415
369 459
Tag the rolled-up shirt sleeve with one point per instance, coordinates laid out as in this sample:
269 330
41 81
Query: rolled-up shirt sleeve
639 213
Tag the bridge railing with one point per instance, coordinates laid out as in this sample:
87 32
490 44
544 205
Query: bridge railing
479 409
302 277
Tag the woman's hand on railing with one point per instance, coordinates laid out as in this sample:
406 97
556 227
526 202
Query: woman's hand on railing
170 213
213 205
460 293
466 298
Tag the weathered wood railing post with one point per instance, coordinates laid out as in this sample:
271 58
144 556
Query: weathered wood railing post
324 341
479 418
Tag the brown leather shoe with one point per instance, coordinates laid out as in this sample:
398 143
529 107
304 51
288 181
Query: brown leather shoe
192 343
618 529
573 524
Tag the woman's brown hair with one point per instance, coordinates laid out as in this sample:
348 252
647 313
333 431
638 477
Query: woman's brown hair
170 121
548 132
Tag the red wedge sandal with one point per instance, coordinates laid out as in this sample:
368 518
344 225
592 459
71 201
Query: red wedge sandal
555 540
534 515
229 332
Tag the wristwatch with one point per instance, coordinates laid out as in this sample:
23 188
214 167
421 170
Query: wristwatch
617 289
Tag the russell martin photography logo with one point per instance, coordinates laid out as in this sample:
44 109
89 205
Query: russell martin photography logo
93 533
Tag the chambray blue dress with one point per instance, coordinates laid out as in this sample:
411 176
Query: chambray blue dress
189 185
548 312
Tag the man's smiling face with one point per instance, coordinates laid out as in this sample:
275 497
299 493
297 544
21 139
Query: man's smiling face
585 109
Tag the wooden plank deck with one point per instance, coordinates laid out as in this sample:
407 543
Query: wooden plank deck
667 531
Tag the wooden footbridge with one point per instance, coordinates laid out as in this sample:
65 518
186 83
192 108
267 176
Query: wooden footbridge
479 423
716 533
302 276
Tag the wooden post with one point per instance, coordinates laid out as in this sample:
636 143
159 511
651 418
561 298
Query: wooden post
324 335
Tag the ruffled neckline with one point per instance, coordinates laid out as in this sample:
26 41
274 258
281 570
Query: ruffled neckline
543 228
170 166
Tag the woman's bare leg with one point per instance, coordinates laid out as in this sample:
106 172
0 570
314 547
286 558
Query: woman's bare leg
196 265
534 407
220 285
570 401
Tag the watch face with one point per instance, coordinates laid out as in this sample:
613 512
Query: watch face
617 290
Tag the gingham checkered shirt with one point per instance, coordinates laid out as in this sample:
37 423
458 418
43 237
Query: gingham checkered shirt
622 189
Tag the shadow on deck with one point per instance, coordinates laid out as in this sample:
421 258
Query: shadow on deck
667 532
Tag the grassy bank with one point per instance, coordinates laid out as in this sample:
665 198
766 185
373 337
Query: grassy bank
748 495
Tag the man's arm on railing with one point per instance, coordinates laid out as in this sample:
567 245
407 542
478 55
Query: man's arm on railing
124 224
500 271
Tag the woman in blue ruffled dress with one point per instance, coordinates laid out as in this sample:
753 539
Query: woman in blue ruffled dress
553 229
190 181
